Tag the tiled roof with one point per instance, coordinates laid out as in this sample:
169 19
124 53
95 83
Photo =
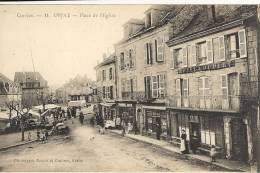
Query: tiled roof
109 60
199 21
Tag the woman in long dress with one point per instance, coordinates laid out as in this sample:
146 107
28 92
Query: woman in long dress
183 148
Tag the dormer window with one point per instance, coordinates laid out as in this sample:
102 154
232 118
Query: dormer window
148 20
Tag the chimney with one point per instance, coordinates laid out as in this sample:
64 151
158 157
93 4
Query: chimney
211 13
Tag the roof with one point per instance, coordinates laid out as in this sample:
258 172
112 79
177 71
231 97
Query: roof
167 13
3 78
195 18
135 21
29 77
107 61
3 81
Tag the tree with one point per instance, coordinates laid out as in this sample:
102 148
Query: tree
22 115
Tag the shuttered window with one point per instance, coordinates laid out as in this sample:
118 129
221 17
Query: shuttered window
222 53
194 55
154 87
209 51
148 48
185 88
242 43
161 82
178 87
184 57
224 86
159 45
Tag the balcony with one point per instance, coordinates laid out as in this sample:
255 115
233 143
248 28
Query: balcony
210 103
139 96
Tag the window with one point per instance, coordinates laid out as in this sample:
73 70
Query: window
104 92
110 73
204 86
111 92
202 55
104 75
132 58
182 92
122 61
154 87
161 81
147 84
148 21
108 92
224 86
148 53
159 49
178 54
216 49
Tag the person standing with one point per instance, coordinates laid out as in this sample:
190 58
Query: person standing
184 145
81 117
213 153
158 131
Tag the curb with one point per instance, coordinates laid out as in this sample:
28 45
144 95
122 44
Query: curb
17 145
187 156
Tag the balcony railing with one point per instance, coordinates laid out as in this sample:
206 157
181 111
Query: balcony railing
140 96
218 103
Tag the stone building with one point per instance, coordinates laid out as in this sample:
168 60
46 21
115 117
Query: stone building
34 87
192 67
9 92
106 87
214 80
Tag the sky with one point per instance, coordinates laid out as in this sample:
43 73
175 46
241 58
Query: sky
60 40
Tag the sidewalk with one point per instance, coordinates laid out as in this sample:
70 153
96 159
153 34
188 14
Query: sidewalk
14 139
224 163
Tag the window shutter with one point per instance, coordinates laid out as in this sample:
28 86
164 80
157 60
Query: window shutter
209 51
150 53
156 49
172 58
127 59
135 84
185 87
242 43
154 87
193 51
224 84
146 53
133 56
222 53
184 57
178 87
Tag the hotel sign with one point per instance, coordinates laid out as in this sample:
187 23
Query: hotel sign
207 67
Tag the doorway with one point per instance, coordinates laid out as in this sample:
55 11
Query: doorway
194 135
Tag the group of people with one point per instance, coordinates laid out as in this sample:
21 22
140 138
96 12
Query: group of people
42 135
185 149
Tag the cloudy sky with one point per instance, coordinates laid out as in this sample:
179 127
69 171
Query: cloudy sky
70 41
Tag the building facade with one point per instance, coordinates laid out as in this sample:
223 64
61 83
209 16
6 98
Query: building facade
34 87
105 88
213 80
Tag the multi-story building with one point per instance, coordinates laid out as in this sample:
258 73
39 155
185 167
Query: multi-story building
34 87
106 87
191 67
213 80
9 92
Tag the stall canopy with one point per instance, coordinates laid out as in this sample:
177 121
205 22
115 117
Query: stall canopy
107 104
48 106
77 103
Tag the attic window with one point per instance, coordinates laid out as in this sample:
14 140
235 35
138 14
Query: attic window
148 20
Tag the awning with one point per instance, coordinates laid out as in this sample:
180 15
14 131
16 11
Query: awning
77 103
155 107
124 105
107 104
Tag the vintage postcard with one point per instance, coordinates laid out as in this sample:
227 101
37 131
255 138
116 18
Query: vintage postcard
129 87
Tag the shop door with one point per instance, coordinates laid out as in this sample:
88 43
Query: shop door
174 125
233 91
194 135
239 140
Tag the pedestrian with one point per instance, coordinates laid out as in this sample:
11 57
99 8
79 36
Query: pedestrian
81 117
68 112
29 136
184 146
38 135
158 131
213 153
46 134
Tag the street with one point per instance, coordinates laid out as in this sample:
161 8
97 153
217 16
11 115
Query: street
87 150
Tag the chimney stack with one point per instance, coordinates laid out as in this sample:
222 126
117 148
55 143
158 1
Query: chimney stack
211 12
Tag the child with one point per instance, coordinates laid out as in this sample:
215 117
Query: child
213 153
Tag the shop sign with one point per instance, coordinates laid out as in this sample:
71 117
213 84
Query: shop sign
206 67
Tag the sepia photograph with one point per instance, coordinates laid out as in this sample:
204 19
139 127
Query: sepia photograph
95 87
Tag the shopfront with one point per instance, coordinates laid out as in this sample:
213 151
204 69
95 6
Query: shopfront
156 123
126 113
107 111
